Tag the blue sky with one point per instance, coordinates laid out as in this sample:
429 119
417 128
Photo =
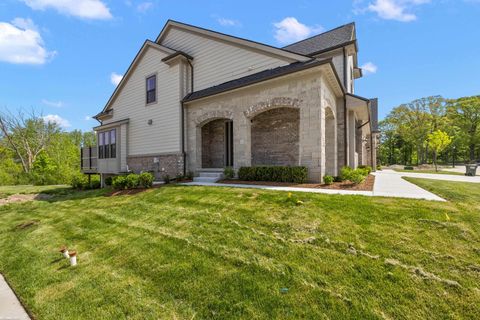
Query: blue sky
62 57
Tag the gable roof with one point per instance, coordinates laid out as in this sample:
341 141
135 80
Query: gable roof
260 77
285 54
147 44
326 41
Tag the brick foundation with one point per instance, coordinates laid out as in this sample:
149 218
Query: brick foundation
171 164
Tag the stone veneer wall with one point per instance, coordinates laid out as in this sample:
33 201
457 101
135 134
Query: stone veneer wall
171 164
275 137
213 144
306 91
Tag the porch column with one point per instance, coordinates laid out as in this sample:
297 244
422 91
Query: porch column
242 153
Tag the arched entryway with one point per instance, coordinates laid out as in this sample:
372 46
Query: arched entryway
330 143
275 137
217 144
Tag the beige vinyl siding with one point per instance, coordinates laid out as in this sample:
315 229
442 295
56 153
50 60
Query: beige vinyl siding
162 136
216 61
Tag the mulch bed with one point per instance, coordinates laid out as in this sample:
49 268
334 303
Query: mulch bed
367 185
127 192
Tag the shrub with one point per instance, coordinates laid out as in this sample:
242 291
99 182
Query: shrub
132 181
179 177
119 182
328 179
379 167
408 168
166 179
145 180
229 173
367 168
275 174
354 175
189 175
337 179
80 182
108 181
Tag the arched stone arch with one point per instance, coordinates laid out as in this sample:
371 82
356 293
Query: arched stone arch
274 103
275 136
331 167
206 117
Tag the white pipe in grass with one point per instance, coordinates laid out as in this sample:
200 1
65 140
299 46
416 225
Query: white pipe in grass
73 258
64 251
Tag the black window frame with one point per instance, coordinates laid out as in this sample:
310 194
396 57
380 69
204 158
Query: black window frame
151 94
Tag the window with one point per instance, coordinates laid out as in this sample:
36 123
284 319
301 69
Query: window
151 89
107 144
101 143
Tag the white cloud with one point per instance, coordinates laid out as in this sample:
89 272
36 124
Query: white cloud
115 78
395 9
56 104
55 118
291 30
144 6
228 22
21 43
369 68
88 118
86 9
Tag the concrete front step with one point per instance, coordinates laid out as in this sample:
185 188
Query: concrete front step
209 175
207 179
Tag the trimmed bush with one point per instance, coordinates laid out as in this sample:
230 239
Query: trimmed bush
108 181
379 167
355 176
367 168
166 179
408 168
274 174
80 182
119 182
131 181
145 180
328 179
229 173
189 175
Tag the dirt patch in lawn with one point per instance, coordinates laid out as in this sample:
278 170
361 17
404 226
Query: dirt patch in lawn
367 185
19 198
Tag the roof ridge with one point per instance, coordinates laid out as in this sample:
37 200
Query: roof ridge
320 34
227 35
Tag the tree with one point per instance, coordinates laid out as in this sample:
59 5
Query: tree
26 135
438 141
465 114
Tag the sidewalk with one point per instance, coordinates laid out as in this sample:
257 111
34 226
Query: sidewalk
10 307
388 183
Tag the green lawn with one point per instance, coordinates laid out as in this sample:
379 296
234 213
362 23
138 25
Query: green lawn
6 191
430 171
197 252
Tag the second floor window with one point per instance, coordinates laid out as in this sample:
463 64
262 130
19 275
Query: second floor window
107 144
151 89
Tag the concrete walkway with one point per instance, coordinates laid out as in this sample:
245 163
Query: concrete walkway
433 176
10 307
459 169
387 184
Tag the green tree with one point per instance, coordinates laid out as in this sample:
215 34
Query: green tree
438 141
465 114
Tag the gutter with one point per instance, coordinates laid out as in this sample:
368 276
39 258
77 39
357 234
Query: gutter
345 139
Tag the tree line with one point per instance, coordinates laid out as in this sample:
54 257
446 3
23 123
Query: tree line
35 151
430 129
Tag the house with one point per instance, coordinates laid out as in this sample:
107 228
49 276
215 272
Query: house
196 100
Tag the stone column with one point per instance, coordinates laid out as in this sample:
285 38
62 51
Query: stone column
242 153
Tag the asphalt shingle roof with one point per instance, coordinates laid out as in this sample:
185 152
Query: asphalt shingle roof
254 78
322 42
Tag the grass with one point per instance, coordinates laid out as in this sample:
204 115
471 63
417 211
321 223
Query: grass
430 171
6 191
222 253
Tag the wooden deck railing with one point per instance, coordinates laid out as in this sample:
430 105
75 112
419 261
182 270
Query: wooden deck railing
88 157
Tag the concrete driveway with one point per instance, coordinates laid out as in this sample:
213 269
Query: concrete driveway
459 169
